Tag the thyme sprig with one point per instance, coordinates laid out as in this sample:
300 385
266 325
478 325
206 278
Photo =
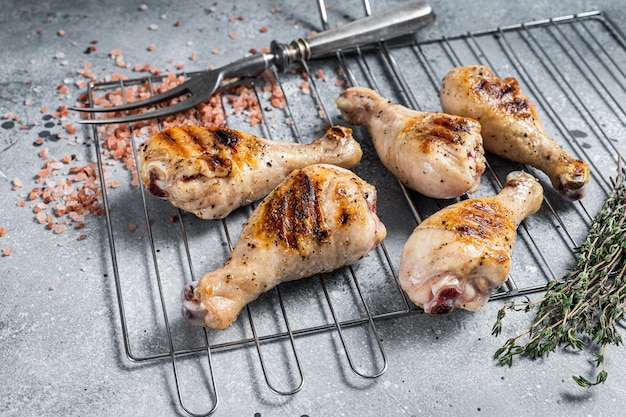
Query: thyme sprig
581 309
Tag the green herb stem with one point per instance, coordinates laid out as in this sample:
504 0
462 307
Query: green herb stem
581 309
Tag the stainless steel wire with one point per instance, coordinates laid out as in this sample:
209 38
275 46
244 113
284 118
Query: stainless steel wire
535 52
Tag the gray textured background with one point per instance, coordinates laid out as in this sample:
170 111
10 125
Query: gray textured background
62 352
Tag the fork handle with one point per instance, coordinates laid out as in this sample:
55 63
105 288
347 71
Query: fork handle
389 24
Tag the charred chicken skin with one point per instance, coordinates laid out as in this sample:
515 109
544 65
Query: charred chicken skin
457 256
435 154
212 171
320 218
511 127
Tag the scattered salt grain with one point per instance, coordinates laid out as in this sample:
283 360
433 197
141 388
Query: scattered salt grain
153 27
17 183
60 229
305 87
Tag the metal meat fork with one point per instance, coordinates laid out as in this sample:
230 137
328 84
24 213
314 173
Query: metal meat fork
390 24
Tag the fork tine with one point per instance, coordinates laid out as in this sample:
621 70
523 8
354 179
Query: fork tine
190 102
159 98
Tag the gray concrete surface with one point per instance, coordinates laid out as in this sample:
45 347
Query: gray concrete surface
62 344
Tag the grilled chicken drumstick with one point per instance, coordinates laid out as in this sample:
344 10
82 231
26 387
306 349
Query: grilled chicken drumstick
436 154
457 256
210 171
511 127
320 218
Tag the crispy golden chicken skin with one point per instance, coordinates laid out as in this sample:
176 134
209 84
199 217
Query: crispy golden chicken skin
212 171
457 256
320 218
436 154
511 127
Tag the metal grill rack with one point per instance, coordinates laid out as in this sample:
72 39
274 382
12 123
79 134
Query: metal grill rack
571 67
